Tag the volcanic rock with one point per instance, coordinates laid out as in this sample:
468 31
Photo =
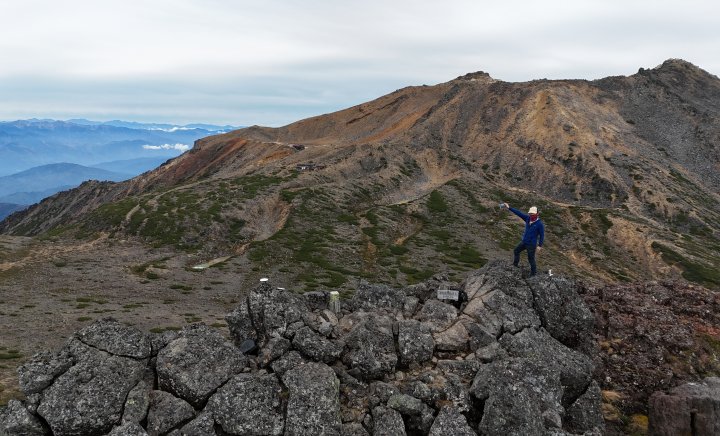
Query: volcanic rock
195 364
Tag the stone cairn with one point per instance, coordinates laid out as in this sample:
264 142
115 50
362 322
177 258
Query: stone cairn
511 360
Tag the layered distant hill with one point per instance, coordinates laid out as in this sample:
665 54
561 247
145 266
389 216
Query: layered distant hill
30 186
625 171
29 143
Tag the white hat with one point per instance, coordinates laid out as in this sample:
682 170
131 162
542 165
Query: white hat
533 210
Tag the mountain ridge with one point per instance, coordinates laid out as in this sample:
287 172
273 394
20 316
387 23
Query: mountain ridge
620 166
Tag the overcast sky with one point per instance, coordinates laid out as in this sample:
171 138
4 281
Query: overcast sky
271 62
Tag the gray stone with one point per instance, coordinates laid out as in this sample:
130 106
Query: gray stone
692 408
575 368
447 389
313 407
158 341
437 314
316 347
371 350
406 405
273 350
585 414
502 275
450 422
240 324
128 429
15 419
490 353
137 403
420 416
41 370
487 326
195 364
455 338
410 306
89 397
249 405
354 429
417 389
415 342
111 336
387 422
330 317
371 297
167 412
317 300
287 362
515 315
383 390
202 425
562 311
522 396
273 310
465 369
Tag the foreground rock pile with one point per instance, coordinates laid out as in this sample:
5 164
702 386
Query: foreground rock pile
510 360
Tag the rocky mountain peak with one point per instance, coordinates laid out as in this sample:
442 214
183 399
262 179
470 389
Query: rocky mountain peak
478 76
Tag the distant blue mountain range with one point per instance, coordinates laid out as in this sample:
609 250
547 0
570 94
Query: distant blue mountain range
40 157
29 143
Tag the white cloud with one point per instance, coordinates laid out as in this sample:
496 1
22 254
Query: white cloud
275 61
178 147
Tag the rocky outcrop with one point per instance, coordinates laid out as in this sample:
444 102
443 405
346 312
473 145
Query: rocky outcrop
195 364
391 362
692 408
249 405
653 337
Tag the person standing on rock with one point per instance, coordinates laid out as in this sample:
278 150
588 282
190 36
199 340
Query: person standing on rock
533 237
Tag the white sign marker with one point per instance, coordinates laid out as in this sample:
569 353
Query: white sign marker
448 294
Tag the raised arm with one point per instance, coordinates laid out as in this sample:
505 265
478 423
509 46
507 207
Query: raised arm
522 216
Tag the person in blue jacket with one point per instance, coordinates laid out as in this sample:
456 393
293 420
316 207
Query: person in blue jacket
533 237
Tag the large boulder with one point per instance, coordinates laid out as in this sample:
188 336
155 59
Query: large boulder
562 311
585 414
438 315
240 323
316 347
195 364
42 370
514 314
575 368
137 403
249 405
451 422
128 429
313 407
692 408
415 342
89 397
115 338
371 350
167 412
371 297
202 425
455 338
521 396
387 422
265 313
419 417
15 419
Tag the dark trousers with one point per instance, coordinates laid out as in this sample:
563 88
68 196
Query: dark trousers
531 256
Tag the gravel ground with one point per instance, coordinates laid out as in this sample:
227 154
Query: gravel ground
48 290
